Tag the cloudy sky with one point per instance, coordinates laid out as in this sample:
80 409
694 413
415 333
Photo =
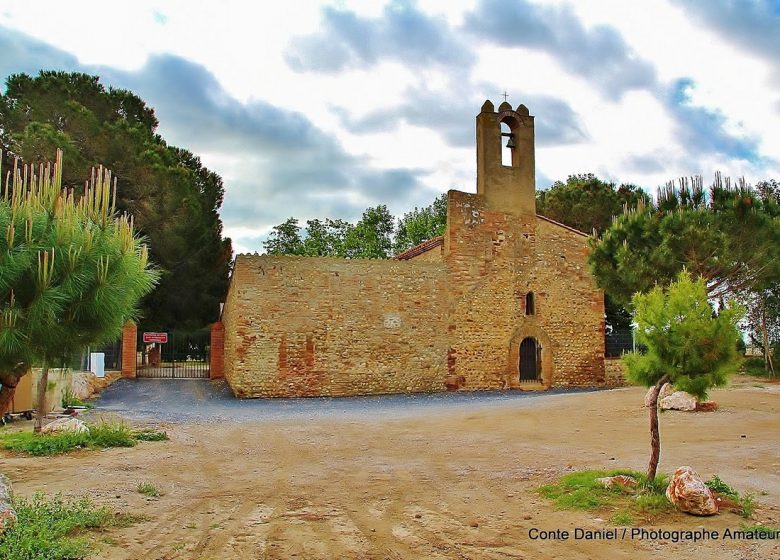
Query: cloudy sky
313 109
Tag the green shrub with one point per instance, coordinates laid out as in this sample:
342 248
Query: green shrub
107 434
49 528
755 366
747 502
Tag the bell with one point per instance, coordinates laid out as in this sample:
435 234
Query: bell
511 142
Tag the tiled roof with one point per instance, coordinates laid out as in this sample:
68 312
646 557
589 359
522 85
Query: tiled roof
423 247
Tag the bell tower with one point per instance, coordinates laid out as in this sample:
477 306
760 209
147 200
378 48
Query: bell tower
511 188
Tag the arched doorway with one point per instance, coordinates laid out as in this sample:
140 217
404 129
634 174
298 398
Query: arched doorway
530 365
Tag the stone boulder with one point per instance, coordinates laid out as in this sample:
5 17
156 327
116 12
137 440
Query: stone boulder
73 425
666 390
619 481
688 493
679 400
7 514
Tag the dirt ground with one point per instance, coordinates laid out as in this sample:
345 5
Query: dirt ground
454 484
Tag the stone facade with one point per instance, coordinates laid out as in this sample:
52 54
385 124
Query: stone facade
502 300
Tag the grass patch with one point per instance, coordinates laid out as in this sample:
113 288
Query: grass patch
55 528
747 502
622 518
580 491
763 529
148 489
101 435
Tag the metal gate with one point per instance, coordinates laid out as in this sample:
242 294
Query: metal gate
183 355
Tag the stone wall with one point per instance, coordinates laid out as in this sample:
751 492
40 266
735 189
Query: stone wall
614 372
494 259
306 326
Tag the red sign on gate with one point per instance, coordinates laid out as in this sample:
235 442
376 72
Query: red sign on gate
159 337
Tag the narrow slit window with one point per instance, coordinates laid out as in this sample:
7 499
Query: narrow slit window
530 308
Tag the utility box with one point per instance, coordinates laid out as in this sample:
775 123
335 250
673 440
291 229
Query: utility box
97 363
22 400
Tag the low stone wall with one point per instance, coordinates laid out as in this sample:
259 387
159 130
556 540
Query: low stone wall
81 384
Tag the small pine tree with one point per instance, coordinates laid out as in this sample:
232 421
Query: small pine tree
71 272
687 344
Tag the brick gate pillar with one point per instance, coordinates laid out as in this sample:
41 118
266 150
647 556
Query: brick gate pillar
129 345
217 351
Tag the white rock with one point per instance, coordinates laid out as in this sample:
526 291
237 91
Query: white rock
688 493
619 481
679 400
73 425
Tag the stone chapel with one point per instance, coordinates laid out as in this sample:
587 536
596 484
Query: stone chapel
502 300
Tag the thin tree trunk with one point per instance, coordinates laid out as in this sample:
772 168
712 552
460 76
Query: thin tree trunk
765 337
655 435
43 384
9 380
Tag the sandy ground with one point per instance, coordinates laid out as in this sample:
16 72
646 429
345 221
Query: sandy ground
445 484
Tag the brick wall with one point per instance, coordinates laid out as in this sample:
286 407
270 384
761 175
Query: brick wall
217 351
129 346
305 326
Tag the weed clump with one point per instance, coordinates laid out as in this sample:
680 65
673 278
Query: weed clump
55 528
101 435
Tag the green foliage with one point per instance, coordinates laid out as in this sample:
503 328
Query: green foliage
622 518
285 239
754 366
421 224
370 238
729 236
717 485
101 435
174 199
69 399
71 269
52 528
747 502
683 338
748 506
107 434
148 489
581 491
585 202
150 435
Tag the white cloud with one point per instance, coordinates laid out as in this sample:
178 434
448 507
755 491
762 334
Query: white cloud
615 85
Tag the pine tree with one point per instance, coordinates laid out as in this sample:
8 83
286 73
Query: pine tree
71 272
686 343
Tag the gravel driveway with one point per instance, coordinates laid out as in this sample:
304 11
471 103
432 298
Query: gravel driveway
193 400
